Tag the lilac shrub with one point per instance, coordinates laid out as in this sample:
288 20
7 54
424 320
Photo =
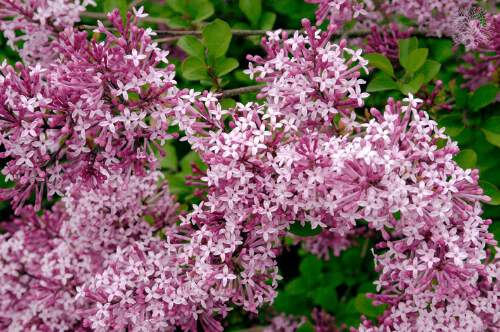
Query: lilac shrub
342 11
455 18
47 259
102 108
395 171
116 254
310 82
482 68
31 27
434 17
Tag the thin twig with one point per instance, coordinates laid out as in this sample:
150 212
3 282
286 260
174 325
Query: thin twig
239 91
102 16
167 39
236 32
97 16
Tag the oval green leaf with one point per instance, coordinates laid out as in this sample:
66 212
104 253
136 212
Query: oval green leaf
217 37
381 62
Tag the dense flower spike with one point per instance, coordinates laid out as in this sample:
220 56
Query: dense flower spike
483 68
342 11
309 79
470 28
31 26
84 117
328 242
460 19
434 17
45 260
101 109
284 323
321 321
266 173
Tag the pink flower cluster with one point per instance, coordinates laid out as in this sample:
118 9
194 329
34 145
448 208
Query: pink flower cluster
435 270
456 18
264 174
434 17
102 108
32 26
309 81
343 11
45 260
322 322
483 68
112 256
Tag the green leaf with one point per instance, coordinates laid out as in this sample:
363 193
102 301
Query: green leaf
306 327
348 314
5 184
405 47
297 286
491 191
243 78
333 278
200 9
467 158
364 305
224 66
291 304
170 160
177 22
227 103
216 37
149 219
310 267
110 5
440 49
416 59
430 69
491 130
188 160
413 86
177 184
306 230
483 96
194 69
351 261
381 62
492 124
461 97
252 10
381 83
192 46
326 297
177 5
267 20
492 137
453 124
367 287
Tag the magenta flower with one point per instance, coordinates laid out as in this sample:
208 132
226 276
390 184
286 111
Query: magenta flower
46 260
102 108
36 24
